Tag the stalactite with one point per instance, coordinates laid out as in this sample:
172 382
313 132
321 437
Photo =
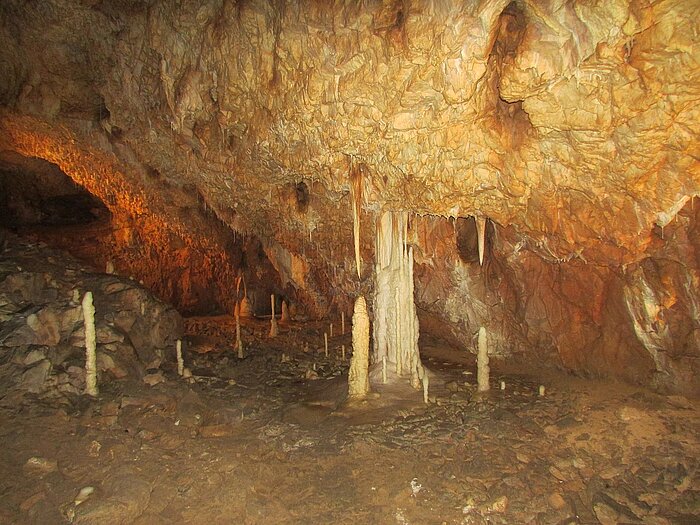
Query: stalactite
396 323
481 233
358 375
356 188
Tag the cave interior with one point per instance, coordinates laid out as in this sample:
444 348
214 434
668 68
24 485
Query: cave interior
398 261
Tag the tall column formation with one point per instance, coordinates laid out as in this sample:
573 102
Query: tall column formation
395 319
358 375
90 346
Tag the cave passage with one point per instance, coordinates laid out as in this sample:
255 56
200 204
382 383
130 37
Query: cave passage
398 262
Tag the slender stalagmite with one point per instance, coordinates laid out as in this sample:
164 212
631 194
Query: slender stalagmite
90 346
285 312
239 343
358 376
482 362
325 343
330 331
273 319
342 323
178 355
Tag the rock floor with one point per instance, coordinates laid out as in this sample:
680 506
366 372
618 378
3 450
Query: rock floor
266 439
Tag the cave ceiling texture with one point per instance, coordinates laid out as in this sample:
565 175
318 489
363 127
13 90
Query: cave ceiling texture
570 127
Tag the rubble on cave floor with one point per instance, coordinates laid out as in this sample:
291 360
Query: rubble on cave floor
267 439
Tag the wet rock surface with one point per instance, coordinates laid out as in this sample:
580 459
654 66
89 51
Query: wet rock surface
260 440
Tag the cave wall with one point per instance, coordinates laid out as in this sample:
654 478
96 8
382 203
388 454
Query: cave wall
573 127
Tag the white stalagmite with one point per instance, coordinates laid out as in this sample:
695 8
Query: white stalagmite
481 232
285 312
342 350
342 323
482 362
90 346
395 319
180 360
325 343
358 376
273 319
330 331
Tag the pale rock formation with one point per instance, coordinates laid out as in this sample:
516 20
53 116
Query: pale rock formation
482 362
481 232
273 320
90 346
358 375
284 317
395 319
239 342
178 356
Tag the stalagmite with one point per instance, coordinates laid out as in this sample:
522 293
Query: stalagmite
237 309
541 390
342 350
239 343
503 385
342 323
246 310
358 376
426 384
330 331
481 232
109 267
482 362
356 188
90 346
285 312
325 343
178 355
395 319
273 319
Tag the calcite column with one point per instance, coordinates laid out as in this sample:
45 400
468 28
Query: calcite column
395 318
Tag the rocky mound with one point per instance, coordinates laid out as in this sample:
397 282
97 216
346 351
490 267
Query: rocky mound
42 329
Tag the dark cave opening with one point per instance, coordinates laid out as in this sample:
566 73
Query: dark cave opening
36 193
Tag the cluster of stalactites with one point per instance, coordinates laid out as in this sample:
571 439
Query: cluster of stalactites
395 318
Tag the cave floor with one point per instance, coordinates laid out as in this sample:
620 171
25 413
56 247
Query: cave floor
267 440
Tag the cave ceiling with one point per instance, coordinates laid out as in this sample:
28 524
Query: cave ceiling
575 124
